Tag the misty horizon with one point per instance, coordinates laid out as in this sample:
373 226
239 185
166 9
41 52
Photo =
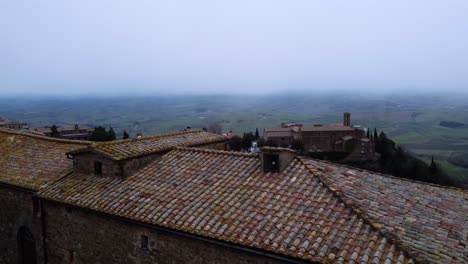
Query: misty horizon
266 47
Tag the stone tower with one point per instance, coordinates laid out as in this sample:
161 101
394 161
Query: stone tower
346 119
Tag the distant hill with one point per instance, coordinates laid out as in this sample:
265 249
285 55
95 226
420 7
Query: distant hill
459 159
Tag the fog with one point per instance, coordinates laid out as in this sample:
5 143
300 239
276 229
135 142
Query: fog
200 47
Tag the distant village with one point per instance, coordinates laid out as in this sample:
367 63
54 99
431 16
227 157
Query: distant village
350 143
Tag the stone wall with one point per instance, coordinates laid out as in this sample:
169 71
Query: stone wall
78 236
84 163
17 209
133 165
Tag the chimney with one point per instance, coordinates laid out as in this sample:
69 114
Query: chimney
346 119
276 159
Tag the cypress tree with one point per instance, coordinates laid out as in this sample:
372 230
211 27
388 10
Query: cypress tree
54 132
99 134
433 167
111 134
368 136
125 134
257 135
376 136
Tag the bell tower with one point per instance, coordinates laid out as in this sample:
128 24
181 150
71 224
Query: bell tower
346 119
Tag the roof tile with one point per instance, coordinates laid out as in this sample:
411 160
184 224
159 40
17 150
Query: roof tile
225 196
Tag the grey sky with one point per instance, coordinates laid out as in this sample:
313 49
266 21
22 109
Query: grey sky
106 47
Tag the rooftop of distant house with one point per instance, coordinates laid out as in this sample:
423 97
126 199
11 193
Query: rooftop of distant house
312 210
47 129
319 127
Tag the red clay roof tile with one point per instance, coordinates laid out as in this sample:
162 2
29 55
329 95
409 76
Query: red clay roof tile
225 196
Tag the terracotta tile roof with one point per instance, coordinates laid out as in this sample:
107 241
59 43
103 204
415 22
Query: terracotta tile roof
30 161
225 196
130 148
309 128
430 221
278 149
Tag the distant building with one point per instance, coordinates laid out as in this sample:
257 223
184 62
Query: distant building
10 124
325 138
282 135
69 132
229 134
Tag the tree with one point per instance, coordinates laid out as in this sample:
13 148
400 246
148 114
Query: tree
433 166
247 140
235 143
368 136
99 134
111 134
375 134
257 135
54 132
125 135
215 128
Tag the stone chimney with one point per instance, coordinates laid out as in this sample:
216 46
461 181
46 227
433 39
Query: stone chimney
346 119
276 159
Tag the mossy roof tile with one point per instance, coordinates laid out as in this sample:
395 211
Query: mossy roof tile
426 219
135 147
225 196
30 161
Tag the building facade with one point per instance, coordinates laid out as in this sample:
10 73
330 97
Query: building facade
325 138
75 132
14 125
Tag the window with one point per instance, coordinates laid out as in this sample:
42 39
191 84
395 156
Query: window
97 168
144 241
270 163
36 207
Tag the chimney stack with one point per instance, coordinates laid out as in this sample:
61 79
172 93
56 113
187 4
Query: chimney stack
346 119
276 159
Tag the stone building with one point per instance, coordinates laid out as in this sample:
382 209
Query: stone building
200 205
325 138
10 124
75 132
27 163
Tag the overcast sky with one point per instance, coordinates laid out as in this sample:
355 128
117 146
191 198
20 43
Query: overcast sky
112 47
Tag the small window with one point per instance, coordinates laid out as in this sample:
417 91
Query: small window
270 163
36 207
97 168
144 241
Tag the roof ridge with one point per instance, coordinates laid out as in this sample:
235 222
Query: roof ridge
46 138
389 175
375 225
214 151
148 137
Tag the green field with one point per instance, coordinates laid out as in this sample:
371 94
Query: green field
411 121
